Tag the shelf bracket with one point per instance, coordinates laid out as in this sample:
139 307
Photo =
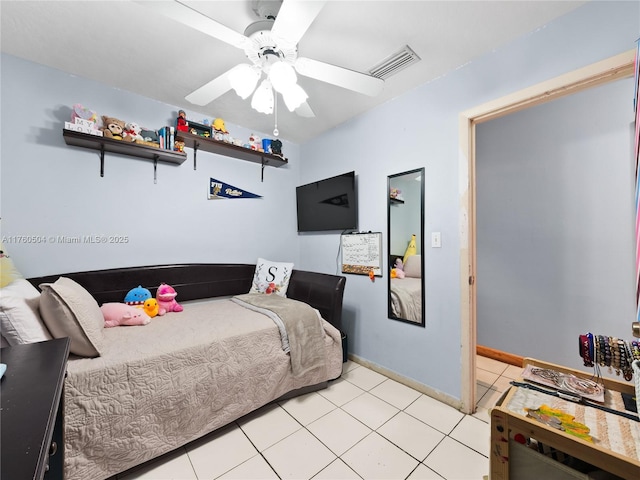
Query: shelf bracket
262 173
102 159
196 145
155 169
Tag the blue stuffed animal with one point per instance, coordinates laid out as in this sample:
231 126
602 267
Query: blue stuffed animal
137 296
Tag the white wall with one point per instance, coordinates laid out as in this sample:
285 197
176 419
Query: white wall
555 224
421 129
49 188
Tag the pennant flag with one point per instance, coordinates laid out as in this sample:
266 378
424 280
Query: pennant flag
221 190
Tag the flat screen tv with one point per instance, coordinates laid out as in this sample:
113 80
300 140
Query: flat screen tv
329 204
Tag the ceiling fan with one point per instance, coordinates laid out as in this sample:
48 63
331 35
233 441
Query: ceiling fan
271 44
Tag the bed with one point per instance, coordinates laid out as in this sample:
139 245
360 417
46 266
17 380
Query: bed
406 292
159 386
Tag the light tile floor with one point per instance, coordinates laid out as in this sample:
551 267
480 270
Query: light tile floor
363 426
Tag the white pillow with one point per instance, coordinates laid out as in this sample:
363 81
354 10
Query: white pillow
413 266
70 311
271 277
19 316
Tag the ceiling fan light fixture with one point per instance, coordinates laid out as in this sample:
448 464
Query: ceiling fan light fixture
282 76
244 79
262 99
294 96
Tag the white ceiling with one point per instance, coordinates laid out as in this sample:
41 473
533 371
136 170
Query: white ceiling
131 47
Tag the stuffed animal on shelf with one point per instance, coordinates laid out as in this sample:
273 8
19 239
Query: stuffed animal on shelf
399 265
116 314
218 125
114 128
132 131
166 297
137 296
151 307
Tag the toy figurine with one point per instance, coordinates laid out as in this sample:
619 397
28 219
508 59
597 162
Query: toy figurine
181 123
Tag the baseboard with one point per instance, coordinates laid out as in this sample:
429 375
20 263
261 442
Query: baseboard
409 382
499 355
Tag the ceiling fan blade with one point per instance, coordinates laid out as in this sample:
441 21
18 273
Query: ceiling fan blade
305 111
342 77
211 90
192 18
294 18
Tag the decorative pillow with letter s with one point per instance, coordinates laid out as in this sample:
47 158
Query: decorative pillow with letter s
271 277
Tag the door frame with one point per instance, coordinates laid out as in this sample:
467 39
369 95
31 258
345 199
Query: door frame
605 71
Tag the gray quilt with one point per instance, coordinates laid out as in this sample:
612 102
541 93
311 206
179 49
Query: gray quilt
159 386
302 329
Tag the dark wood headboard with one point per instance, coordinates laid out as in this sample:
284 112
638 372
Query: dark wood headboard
205 280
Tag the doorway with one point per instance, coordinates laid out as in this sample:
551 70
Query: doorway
608 70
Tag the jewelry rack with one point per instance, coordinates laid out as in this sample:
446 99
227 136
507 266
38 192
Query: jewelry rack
612 352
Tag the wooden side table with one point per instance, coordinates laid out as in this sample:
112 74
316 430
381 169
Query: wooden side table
512 460
31 406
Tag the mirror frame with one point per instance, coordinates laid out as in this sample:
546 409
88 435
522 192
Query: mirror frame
390 204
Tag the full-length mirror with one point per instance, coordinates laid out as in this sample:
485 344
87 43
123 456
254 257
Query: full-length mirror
405 228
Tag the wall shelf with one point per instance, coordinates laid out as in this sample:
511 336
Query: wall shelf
104 144
197 142
396 200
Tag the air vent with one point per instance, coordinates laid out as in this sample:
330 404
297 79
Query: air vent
394 63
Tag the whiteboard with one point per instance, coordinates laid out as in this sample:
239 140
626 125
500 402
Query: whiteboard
362 253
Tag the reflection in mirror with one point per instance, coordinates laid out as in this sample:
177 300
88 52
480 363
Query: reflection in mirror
405 227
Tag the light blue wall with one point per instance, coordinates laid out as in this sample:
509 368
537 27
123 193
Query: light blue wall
405 217
49 188
421 129
555 224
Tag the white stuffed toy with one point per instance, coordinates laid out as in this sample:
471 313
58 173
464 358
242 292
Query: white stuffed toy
133 130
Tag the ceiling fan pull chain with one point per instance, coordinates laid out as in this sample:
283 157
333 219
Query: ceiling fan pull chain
276 132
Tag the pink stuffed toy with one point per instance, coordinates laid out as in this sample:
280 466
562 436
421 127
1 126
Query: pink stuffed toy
116 314
166 297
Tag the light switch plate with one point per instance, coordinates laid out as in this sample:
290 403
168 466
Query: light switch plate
436 240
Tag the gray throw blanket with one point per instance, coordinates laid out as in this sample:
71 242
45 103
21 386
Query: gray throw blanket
303 327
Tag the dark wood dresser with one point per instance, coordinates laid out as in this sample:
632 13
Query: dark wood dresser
31 405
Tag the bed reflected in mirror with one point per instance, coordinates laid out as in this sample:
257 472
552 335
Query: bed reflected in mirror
405 227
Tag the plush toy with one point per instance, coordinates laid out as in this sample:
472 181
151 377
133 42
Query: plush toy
149 135
137 296
166 297
116 314
395 273
218 125
399 265
151 307
132 131
8 271
114 128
